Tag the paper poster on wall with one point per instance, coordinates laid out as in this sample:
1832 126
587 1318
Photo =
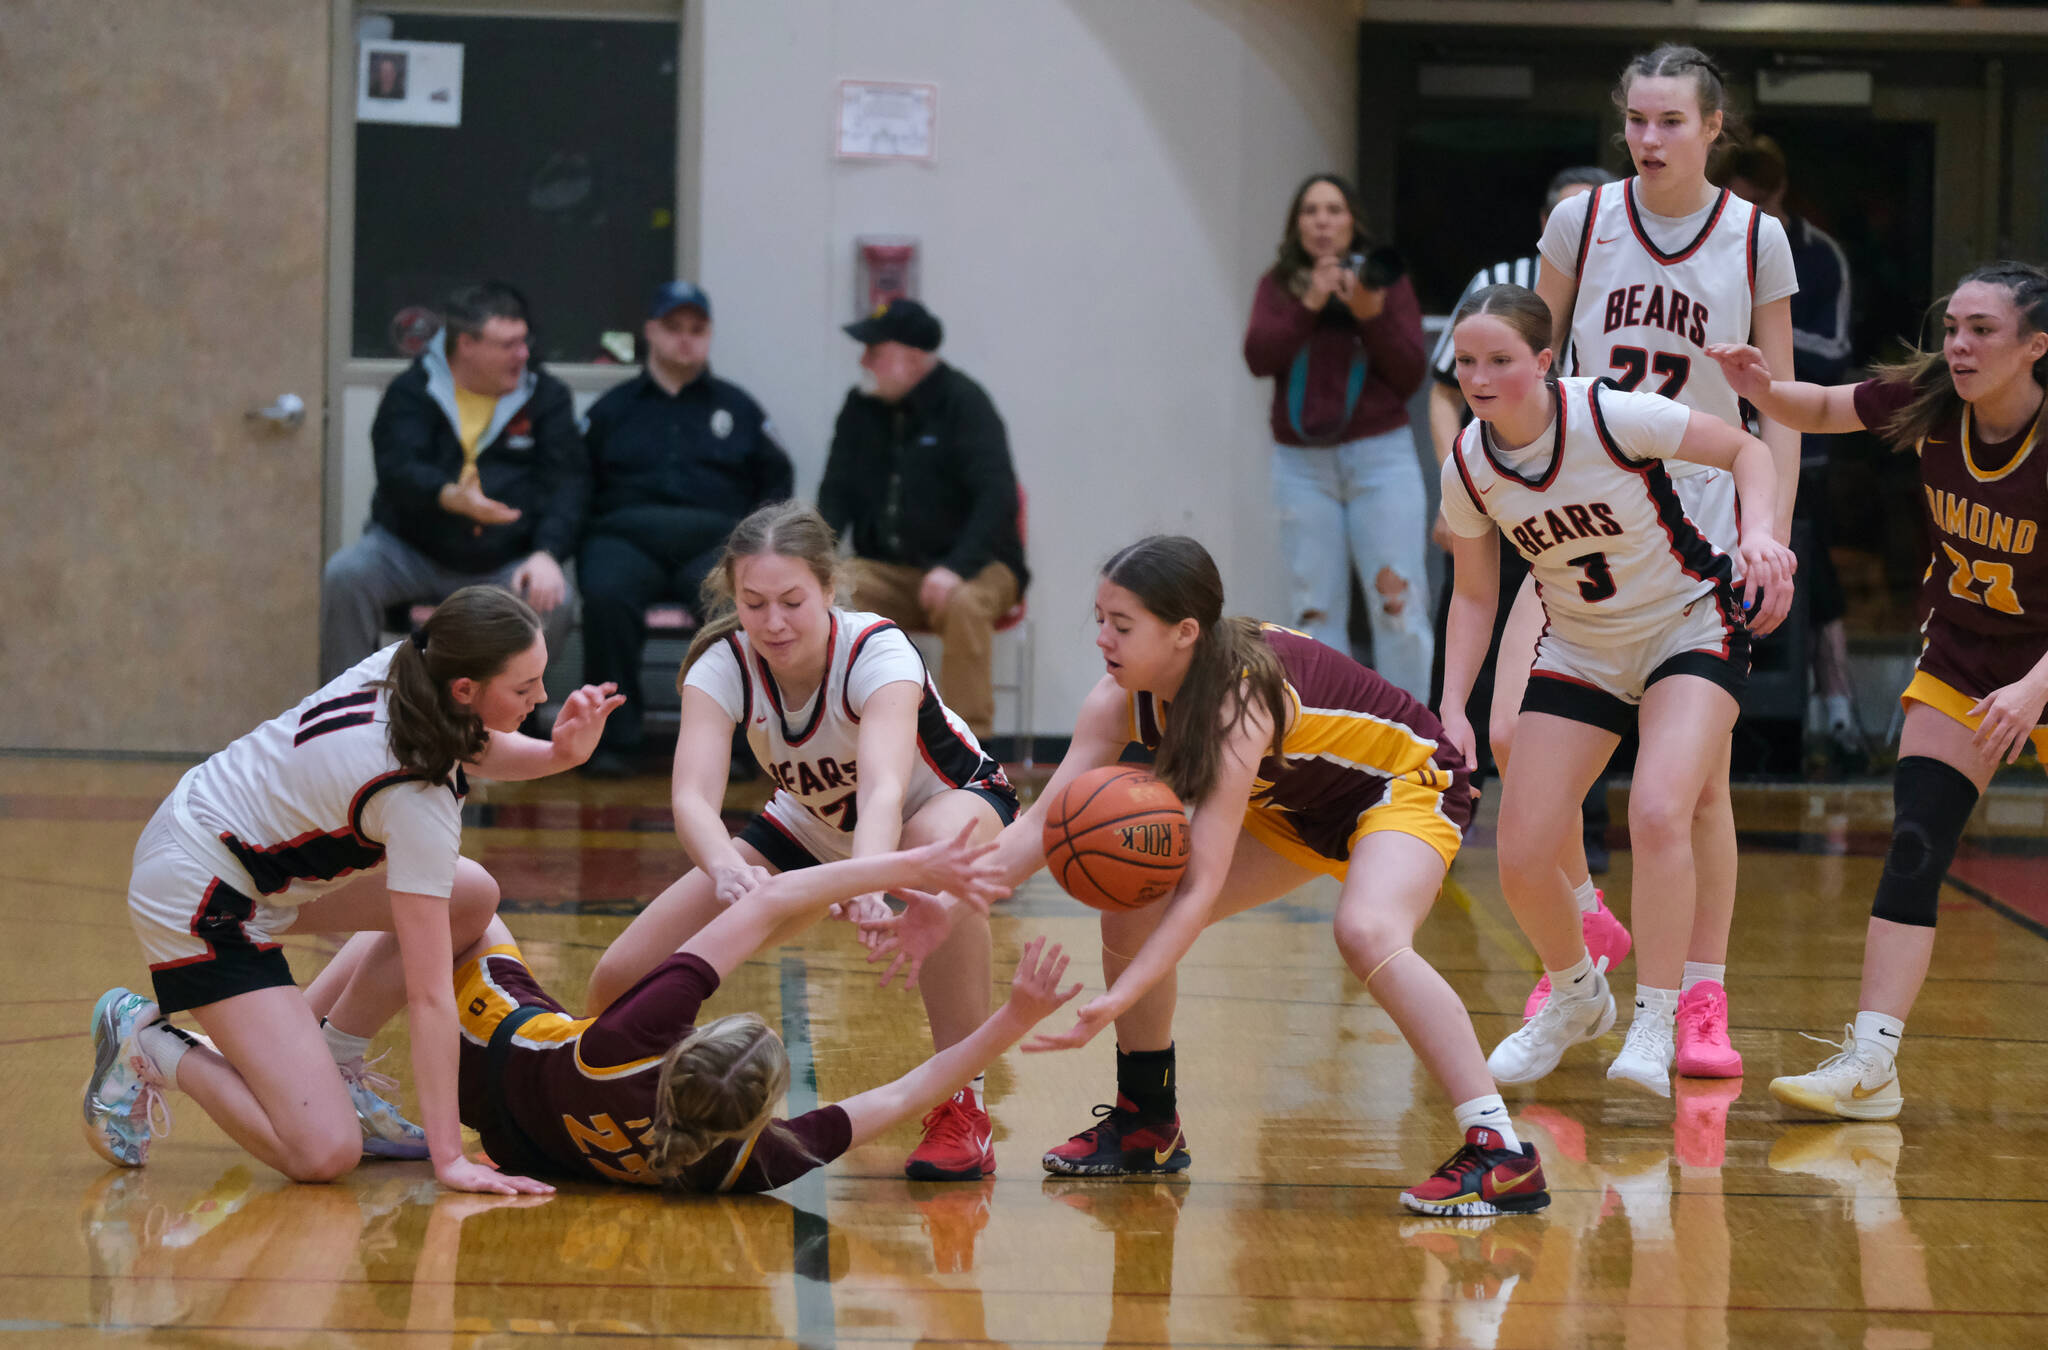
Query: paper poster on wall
887 121
419 83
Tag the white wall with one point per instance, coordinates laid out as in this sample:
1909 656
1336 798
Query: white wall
1110 180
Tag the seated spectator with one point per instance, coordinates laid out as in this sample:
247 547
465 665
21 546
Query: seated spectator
480 479
920 472
677 458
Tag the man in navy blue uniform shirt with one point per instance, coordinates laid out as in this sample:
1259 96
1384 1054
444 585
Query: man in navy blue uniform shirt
677 458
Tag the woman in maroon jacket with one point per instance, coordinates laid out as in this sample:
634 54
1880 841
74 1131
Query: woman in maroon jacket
1345 355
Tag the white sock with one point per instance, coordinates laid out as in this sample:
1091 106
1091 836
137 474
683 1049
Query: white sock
1697 972
345 1048
1575 981
1654 1002
974 1092
1588 896
1841 717
164 1045
1877 1032
1491 1112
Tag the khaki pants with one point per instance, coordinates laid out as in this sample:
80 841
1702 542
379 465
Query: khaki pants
966 628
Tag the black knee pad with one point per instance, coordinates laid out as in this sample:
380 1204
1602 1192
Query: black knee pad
1931 803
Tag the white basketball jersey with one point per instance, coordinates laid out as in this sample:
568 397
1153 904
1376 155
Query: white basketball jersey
1614 555
812 752
1643 315
313 796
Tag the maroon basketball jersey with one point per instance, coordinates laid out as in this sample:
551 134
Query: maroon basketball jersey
1988 571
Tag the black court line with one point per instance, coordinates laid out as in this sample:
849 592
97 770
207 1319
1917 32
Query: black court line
811 1259
1999 907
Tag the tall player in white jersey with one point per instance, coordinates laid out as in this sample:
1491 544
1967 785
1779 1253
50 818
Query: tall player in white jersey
1641 630
1640 277
342 815
840 711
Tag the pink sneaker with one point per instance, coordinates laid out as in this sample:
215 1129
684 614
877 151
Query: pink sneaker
1605 936
1704 1050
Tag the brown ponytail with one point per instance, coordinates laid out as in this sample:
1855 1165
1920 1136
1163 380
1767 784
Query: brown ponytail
473 634
720 1082
1174 577
789 529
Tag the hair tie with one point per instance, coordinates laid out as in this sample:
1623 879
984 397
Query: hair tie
419 640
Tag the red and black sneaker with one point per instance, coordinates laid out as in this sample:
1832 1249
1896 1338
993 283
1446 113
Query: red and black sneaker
1482 1178
1124 1144
959 1143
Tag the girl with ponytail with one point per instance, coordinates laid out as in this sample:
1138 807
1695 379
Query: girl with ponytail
1973 411
837 706
1295 761
342 815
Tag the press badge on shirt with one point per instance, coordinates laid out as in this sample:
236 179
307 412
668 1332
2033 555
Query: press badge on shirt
721 424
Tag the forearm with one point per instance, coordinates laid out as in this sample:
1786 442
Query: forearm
702 833
1783 442
1468 627
1187 915
1804 408
879 824
435 1067
1759 473
513 758
1446 411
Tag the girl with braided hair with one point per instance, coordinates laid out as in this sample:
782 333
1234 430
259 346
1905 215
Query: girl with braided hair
1972 412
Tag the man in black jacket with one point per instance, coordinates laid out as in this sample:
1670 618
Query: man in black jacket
480 478
920 470
677 457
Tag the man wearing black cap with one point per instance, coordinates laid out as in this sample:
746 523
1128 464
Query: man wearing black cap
920 471
677 457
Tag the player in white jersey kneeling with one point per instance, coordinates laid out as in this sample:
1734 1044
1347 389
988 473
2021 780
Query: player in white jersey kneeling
840 711
1641 628
343 815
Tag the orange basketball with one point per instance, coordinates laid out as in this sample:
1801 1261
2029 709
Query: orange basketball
1116 838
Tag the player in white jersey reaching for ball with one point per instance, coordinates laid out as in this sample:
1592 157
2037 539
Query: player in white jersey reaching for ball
1639 277
1641 629
343 815
840 711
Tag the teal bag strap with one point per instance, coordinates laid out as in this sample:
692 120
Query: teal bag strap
1297 392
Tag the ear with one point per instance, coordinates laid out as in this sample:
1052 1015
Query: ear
1186 633
2037 344
1712 124
1543 360
464 690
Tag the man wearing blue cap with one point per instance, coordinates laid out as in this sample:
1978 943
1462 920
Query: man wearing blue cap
677 458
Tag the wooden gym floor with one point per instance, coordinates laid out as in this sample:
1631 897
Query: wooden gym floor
1712 1221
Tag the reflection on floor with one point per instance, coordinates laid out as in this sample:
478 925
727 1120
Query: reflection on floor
1711 1220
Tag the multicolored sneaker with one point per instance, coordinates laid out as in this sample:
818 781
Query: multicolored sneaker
953 1218
959 1143
1125 1143
1700 1134
386 1133
1561 1023
124 1100
1860 1083
1605 936
1482 1177
1704 1050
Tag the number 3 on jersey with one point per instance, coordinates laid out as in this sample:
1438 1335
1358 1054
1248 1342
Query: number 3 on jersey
1599 582
1636 363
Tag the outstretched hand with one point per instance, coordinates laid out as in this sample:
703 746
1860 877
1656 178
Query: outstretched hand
582 719
1749 375
1035 988
1094 1015
464 1175
921 929
958 866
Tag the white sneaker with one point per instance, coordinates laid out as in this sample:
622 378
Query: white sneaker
124 1103
386 1133
1561 1023
1860 1083
1645 1058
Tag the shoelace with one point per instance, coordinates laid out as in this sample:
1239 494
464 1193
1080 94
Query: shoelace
358 1073
1462 1163
1706 1017
1652 1034
947 1121
1849 1048
1111 1116
151 1107
1552 1011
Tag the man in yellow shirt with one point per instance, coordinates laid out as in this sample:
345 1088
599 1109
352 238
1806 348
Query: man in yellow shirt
481 477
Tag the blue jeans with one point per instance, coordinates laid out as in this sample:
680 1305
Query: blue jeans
1360 504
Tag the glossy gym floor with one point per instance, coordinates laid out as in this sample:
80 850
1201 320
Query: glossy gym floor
1712 1220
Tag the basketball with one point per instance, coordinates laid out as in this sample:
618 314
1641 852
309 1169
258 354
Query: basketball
1116 838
